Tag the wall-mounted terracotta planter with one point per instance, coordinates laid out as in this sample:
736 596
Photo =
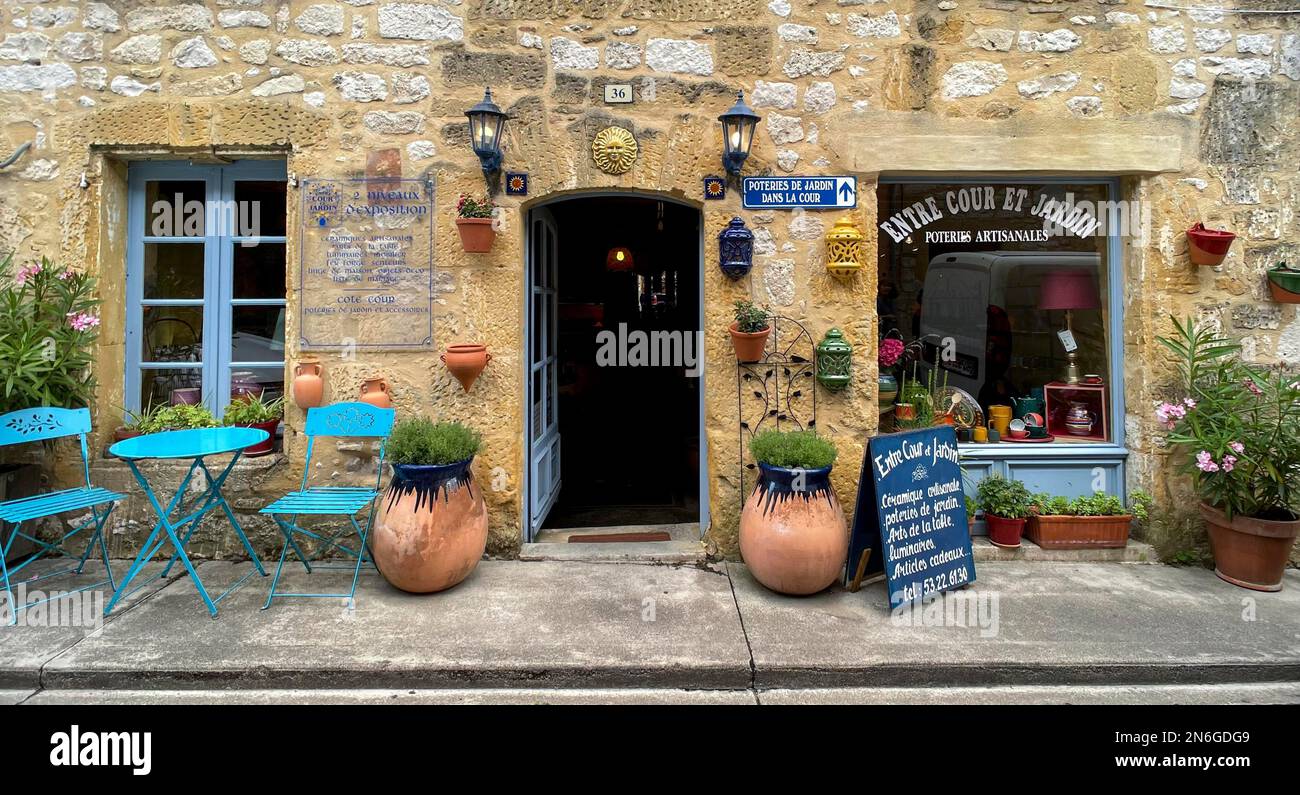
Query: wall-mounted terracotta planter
749 346
1284 284
308 384
375 392
466 362
476 234
1208 246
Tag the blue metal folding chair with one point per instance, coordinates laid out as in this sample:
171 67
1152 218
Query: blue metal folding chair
344 420
39 424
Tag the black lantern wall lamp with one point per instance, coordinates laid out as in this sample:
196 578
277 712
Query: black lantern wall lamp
487 124
738 125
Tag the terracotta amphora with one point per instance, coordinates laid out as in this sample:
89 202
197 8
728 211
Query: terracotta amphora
793 536
308 385
432 529
375 392
465 362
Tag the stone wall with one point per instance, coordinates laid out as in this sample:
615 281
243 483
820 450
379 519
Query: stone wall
324 84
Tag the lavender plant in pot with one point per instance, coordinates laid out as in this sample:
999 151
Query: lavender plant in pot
1237 428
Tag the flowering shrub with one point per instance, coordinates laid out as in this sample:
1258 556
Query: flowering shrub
469 207
1238 425
48 325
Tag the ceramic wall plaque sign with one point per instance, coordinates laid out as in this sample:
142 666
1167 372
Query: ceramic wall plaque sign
366 267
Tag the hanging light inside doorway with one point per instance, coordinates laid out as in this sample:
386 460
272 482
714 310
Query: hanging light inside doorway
737 134
618 259
487 124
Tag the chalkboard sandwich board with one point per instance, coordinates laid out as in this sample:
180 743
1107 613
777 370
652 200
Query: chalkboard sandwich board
911 515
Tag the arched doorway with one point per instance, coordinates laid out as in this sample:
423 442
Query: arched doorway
614 373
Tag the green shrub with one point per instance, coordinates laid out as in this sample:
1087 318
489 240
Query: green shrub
250 410
750 318
178 418
1098 504
420 440
792 449
1007 499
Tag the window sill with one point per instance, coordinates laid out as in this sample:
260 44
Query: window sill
974 450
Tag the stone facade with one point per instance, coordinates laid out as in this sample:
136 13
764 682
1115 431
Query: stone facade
956 87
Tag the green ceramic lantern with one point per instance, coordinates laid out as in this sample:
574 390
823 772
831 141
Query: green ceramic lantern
834 361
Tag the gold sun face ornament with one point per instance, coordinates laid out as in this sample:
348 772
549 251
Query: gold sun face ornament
614 150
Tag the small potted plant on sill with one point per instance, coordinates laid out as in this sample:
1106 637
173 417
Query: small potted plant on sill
793 536
474 223
750 331
433 523
1006 505
133 421
1284 283
178 417
1100 521
1237 427
252 411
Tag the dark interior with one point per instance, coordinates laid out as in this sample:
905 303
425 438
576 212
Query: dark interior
629 435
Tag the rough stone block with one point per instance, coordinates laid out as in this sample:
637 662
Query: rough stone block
745 49
1250 123
463 68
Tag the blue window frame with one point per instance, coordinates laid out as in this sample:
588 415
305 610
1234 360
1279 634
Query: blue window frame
205 287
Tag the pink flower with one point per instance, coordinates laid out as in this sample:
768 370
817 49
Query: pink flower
67 274
1254 390
890 350
1170 413
1205 462
81 321
1228 462
1237 447
1191 404
27 272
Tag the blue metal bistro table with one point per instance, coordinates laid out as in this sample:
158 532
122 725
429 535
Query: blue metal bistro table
195 444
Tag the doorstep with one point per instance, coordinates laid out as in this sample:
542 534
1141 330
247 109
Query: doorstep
684 545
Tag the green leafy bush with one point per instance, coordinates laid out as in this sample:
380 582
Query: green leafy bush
178 418
1097 504
792 449
251 410
1007 499
48 325
751 319
421 441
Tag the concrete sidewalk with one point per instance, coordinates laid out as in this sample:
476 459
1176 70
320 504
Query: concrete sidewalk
525 632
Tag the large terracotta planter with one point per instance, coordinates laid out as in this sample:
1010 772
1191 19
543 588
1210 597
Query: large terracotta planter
1249 552
749 345
1208 246
793 541
466 362
1004 533
308 385
432 527
476 234
1079 532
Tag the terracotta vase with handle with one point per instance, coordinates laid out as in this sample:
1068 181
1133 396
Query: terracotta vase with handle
466 361
375 392
308 385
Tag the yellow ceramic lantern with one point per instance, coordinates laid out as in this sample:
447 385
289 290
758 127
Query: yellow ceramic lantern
844 249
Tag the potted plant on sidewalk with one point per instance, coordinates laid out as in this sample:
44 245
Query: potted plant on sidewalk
252 411
749 332
793 536
433 523
474 223
1006 505
1099 521
1238 429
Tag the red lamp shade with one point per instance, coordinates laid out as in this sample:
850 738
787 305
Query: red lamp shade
1069 289
618 259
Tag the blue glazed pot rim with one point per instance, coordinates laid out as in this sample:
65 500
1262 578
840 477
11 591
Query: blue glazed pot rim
427 471
776 470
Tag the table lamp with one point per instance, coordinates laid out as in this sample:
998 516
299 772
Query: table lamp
1070 290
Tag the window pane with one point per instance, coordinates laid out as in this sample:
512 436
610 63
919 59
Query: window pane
174 208
257 334
259 208
259 270
173 270
980 279
161 387
173 333
265 381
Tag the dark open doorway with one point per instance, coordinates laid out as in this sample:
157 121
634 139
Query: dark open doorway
626 269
